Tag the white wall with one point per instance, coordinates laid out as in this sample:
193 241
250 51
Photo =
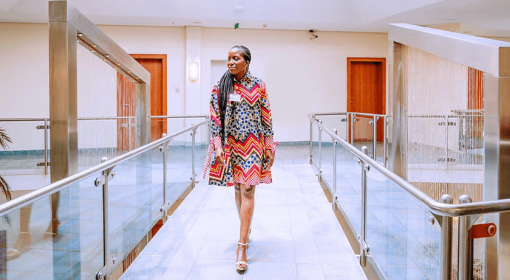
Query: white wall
302 75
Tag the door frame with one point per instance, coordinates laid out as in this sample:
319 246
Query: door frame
350 60
163 58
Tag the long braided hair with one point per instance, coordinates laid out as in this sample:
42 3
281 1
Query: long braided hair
227 86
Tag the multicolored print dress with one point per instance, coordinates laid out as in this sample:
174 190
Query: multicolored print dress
248 133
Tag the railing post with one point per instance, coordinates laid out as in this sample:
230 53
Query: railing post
445 260
363 247
374 140
164 149
353 120
335 197
385 143
129 133
311 140
446 142
193 175
320 152
465 265
104 272
347 115
45 146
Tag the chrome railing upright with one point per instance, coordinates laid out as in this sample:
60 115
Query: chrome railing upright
443 211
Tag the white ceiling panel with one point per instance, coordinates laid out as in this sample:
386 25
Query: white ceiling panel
475 16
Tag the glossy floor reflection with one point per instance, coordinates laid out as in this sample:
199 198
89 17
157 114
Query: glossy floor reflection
295 234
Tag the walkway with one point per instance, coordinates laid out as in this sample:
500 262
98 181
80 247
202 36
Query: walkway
295 234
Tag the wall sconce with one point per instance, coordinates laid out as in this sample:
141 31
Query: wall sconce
193 71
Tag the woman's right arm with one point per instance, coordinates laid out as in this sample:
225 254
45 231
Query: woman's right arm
214 109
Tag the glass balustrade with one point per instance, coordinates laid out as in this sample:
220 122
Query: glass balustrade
61 235
403 242
31 250
25 155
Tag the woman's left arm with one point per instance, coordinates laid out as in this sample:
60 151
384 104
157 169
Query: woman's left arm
267 126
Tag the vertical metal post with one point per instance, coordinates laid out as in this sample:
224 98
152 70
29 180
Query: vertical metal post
311 140
106 244
465 265
129 133
445 260
319 164
374 140
45 146
385 143
347 115
353 120
63 92
164 150
446 142
193 175
335 197
363 248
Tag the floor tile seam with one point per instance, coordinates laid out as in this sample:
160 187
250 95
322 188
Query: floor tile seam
193 223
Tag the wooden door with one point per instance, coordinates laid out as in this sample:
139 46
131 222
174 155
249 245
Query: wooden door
156 65
366 89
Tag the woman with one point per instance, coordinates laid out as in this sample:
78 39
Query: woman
242 138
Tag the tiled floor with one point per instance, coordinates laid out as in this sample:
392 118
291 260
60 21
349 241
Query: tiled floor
295 234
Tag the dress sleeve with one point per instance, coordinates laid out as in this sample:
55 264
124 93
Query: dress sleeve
267 123
214 109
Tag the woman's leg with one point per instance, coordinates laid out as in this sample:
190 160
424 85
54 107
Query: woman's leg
246 214
238 199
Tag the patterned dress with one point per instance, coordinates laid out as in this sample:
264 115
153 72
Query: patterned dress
248 134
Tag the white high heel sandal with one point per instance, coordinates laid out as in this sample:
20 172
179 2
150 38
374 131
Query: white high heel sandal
240 263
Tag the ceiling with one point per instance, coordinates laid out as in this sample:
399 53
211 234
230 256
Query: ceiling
478 17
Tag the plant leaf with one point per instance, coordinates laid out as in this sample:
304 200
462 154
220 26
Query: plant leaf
4 186
4 138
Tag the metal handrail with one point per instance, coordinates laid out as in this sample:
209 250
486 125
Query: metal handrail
442 209
179 117
47 119
105 118
54 187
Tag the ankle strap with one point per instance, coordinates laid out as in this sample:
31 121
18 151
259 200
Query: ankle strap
245 244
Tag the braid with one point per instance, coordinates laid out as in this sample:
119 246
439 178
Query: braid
226 87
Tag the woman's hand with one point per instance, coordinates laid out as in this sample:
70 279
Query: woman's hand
220 156
269 158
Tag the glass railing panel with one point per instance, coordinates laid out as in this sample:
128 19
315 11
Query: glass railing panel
26 150
363 133
427 148
348 187
201 145
338 122
135 196
179 165
75 251
327 160
97 138
403 242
